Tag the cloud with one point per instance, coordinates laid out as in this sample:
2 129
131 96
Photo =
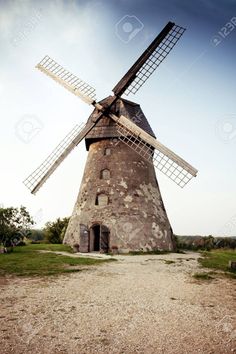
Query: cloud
13 15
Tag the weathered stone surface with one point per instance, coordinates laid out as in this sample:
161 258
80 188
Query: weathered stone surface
135 214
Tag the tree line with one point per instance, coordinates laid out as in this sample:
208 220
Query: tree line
16 226
195 243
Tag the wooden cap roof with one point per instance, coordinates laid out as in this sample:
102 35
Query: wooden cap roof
106 127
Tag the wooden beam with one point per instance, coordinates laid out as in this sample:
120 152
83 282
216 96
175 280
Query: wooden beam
154 143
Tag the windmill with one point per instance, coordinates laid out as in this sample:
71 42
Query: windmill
119 206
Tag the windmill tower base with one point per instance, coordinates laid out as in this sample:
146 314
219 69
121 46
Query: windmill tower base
119 207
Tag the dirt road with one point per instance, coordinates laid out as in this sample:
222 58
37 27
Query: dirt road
139 304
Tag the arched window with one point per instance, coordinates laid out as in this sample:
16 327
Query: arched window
107 151
101 199
105 174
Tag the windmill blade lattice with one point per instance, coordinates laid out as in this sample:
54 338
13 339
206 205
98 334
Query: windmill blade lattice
151 58
135 137
155 59
67 79
42 173
162 158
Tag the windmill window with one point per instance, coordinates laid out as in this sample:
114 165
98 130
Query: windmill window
105 174
107 151
101 199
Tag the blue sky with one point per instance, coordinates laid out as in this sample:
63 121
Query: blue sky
189 101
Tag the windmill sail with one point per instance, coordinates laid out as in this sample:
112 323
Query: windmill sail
172 165
36 179
134 136
71 82
148 62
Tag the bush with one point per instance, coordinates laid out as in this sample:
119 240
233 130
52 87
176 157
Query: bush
37 235
207 243
40 242
21 243
55 231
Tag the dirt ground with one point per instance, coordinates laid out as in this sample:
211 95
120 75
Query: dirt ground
139 304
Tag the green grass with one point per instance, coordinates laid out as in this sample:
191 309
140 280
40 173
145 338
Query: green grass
202 276
48 247
218 259
28 261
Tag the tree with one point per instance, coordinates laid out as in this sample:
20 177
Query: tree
15 224
36 235
209 242
55 231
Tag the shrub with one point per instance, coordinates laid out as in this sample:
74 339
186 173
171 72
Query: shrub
55 231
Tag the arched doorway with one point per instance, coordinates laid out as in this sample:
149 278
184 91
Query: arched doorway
99 238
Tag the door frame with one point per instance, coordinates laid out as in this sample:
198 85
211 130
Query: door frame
102 230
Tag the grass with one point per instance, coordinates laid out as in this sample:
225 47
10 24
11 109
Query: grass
28 261
202 276
219 259
48 247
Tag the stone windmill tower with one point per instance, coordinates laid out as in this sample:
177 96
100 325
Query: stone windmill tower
119 206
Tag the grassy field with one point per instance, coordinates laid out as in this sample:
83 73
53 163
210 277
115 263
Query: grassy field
218 259
28 261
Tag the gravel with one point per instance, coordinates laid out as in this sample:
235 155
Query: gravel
139 304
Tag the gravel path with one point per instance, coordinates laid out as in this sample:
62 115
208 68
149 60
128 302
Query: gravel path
139 304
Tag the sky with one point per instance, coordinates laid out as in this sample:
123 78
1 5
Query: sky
189 101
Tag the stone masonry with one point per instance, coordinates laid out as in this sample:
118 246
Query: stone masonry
119 207
134 214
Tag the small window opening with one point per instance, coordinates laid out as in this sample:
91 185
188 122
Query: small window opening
101 199
105 174
107 151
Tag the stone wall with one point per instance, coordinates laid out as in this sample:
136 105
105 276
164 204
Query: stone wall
135 214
